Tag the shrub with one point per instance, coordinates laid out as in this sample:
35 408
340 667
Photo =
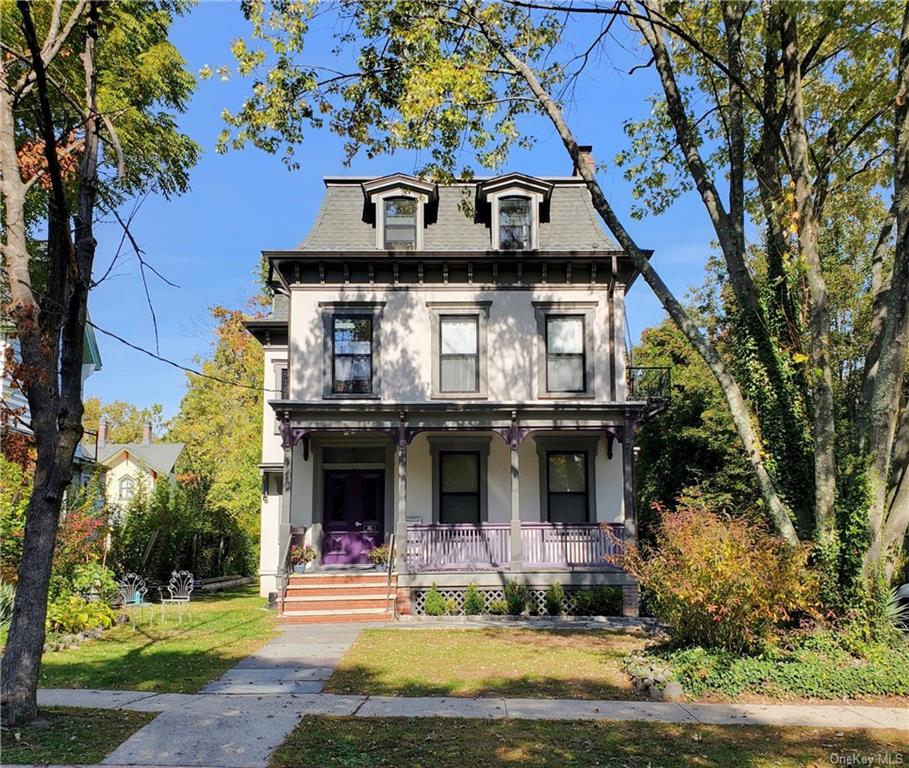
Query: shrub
515 597
817 665
7 595
435 603
94 579
473 601
73 614
498 607
378 555
451 606
604 600
15 491
555 599
721 583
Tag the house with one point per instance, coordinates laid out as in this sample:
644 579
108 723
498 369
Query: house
16 420
131 466
449 378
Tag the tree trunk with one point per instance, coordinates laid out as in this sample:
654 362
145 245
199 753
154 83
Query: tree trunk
741 416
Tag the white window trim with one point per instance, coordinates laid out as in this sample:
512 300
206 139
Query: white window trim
516 190
378 199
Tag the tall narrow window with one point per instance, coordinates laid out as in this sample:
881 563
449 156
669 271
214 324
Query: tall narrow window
565 354
127 488
459 355
515 224
566 483
400 224
285 390
352 355
459 487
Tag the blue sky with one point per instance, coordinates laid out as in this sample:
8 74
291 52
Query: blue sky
208 240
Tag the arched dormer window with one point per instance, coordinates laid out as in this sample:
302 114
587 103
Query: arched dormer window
400 223
126 488
515 223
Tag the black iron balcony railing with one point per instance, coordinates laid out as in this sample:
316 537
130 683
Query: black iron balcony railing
649 383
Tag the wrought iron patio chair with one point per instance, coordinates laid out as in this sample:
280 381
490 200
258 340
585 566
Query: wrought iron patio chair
177 592
132 593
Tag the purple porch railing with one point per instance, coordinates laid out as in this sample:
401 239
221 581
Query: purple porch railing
570 545
478 547
458 547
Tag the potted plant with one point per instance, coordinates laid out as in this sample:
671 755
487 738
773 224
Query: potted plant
379 557
301 557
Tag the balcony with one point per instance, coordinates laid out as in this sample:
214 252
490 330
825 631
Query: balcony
487 546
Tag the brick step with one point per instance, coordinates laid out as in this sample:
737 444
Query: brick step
333 604
346 578
329 593
334 619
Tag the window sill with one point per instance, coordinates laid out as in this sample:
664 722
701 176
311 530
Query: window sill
349 396
458 396
567 396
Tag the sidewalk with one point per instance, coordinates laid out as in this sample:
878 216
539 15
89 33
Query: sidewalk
239 720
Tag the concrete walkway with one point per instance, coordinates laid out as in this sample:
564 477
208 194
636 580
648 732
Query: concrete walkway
238 721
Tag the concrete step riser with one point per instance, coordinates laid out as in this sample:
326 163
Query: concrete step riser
335 619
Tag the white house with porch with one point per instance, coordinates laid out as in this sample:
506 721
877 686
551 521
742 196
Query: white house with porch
449 378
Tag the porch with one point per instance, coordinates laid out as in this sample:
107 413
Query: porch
490 546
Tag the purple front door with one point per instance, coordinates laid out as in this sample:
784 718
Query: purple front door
354 514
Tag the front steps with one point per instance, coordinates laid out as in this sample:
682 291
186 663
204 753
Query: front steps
332 597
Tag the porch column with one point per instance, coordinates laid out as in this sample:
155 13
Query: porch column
517 544
631 593
400 564
284 534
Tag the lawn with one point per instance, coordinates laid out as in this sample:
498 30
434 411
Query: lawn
346 742
70 736
488 662
217 632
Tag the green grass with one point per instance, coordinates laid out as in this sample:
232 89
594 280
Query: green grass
345 742
146 655
70 736
488 662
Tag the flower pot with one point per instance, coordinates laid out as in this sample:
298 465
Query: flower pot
300 568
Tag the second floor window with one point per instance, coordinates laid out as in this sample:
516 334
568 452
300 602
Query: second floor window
352 355
565 355
515 223
400 224
127 488
459 355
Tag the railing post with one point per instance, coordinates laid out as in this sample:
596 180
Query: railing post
517 543
401 508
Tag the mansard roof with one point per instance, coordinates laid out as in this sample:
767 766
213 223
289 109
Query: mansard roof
458 220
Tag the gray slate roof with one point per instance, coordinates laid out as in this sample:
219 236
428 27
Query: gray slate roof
160 457
573 223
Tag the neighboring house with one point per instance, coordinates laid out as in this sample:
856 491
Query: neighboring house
130 467
452 384
16 416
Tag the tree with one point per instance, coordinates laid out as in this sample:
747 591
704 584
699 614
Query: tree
125 421
87 92
806 109
226 400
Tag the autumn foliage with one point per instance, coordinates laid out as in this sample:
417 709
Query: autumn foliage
721 582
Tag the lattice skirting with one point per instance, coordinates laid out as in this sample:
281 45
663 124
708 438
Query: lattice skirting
536 599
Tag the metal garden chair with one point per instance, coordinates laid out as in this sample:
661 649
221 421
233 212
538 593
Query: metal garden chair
177 592
132 592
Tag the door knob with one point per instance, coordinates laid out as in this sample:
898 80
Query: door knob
358 524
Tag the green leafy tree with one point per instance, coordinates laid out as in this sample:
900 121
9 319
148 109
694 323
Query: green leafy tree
226 400
773 114
125 421
88 93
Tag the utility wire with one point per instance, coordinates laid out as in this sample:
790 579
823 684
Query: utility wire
175 364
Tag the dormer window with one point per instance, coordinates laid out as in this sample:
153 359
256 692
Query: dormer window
516 205
397 206
515 224
400 225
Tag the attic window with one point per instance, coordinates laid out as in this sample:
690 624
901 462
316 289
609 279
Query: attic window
515 222
400 224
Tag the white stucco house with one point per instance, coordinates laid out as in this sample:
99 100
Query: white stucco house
448 377
129 467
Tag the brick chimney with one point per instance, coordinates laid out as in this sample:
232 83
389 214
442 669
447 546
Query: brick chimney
586 151
147 434
102 433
